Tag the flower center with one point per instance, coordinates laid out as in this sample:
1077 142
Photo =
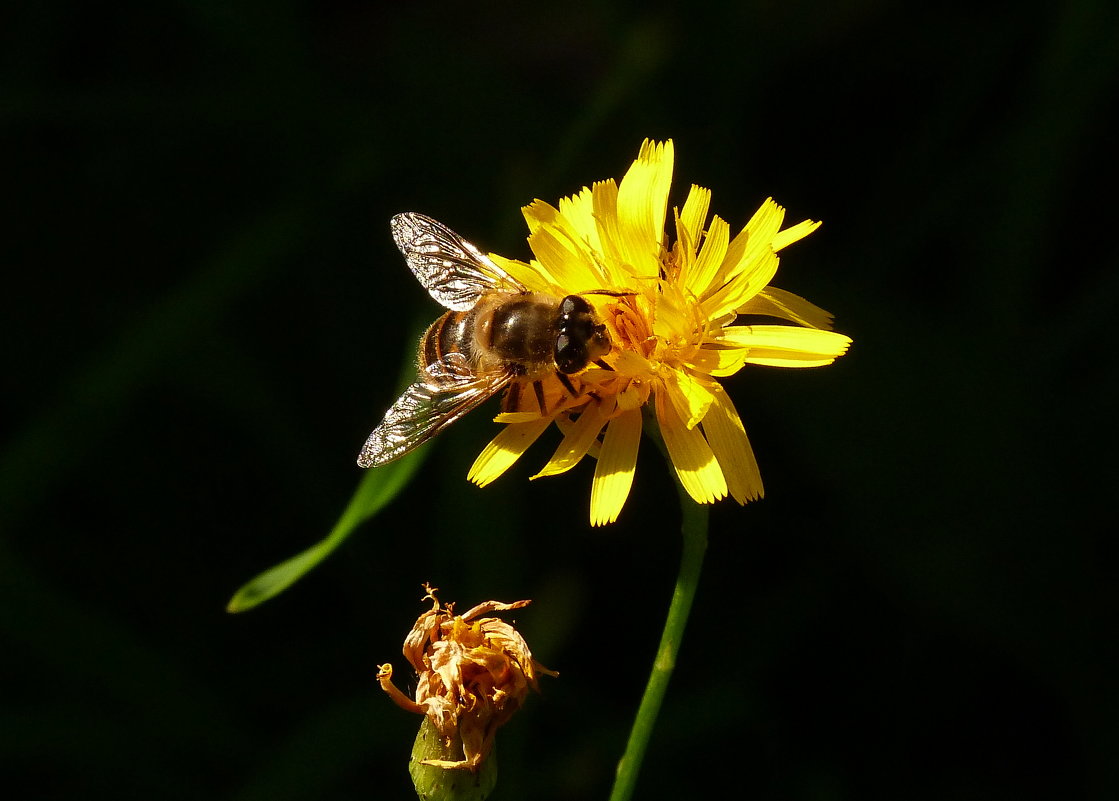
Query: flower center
629 327
679 325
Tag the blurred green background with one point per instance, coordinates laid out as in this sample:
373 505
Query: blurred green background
204 315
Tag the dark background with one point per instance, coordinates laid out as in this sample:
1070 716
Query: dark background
204 315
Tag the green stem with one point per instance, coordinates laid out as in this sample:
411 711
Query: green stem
694 529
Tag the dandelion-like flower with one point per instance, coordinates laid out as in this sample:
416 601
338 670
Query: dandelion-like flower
671 307
473 674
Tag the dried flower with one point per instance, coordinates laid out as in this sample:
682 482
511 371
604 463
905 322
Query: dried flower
473 674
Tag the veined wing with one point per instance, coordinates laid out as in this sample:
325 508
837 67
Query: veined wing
454 271
445 392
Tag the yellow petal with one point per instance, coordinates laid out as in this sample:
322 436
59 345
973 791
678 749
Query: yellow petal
507 418
789 360
794 234
683 252
774 302
532 276
743 286
748 252
694 214
710 258
573 225
695 464
690 397
604 196
787 345
537 213
752 242
717 361
675 318
750 262
727 438
634 395
565 424
578 211
617 460
736 251
505 449
632 364
762 228
642 203
578 440
564 260
689 228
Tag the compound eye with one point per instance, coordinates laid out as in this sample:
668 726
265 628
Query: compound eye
569 305
570 355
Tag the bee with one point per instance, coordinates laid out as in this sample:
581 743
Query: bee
496 335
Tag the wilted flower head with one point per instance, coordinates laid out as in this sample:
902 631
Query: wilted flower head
671 306
473 674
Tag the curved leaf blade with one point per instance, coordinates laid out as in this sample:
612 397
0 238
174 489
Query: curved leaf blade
377 489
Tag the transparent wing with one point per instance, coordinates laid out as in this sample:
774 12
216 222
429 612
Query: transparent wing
445 392
450 268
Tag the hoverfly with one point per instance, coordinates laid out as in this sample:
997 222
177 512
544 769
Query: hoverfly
495 335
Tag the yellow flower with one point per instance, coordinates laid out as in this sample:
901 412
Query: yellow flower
473 674
671 308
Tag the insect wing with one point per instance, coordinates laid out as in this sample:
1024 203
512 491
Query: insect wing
447 390
450 268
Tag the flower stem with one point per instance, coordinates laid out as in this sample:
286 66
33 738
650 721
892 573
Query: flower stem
694 529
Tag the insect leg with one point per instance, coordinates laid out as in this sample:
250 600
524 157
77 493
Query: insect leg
563 379
512 400
538 388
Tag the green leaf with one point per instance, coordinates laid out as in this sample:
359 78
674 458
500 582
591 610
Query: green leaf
377 489
379 486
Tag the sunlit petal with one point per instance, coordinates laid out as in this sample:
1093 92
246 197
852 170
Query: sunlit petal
505 449
761 229
794 234
691 397
576 442
728 440
710 259
720 361
604 197
537 213
642 203
691 456
617 460
786 345
694 213
774 302
532 276
564 259
745 284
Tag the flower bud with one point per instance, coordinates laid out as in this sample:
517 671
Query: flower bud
434 783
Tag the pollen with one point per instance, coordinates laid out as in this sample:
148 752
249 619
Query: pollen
630 328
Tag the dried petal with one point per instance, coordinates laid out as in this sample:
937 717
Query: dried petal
473 674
